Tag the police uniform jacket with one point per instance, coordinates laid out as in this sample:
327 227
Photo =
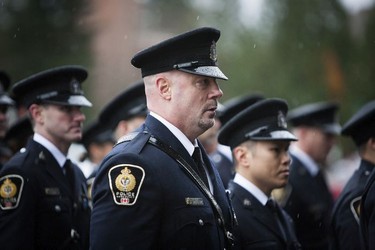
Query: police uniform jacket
345 216
162 208
224 166
367 214
52 213
257 228
309 203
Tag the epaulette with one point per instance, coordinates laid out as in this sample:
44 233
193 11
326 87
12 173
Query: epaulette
136 140
127 137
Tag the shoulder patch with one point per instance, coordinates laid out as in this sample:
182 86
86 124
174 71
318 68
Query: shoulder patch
125 181
10 191
355 207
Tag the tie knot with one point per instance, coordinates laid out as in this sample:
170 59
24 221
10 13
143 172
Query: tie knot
271 204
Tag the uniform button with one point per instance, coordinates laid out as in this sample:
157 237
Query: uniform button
57 208
219 221
201 222
75 205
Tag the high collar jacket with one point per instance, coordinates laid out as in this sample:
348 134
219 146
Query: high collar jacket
52 213
345 215
165 209
309 203
257 228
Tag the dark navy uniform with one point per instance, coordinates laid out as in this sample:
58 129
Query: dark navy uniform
307 198
367 218
260 225
163 208
345 215
223 165
309 202
49 214
256 227
147 193
43 201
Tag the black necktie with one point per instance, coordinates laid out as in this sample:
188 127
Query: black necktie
197 156
68 172
271 204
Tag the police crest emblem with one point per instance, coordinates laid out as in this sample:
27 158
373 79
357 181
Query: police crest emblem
125 182
10 191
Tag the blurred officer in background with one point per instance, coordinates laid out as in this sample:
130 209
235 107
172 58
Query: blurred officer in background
307 198
43 197
127 111
98 142
259 140
5 103
149 192
361 128
345 216
18 134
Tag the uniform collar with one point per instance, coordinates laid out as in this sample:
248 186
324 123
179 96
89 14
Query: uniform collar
57 154
176 132
249 186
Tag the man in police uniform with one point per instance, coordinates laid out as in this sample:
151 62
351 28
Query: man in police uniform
345 216
98 141
307 198
259 140
43 197
5 103
127 111
149 192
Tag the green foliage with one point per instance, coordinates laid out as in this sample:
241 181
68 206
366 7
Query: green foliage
36 35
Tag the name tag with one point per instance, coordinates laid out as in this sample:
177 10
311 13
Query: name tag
52 191
194 201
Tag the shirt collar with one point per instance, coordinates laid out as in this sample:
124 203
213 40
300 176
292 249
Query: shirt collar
249 186
180 136
59 156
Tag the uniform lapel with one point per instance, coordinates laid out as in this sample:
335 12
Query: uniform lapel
49 163
259 212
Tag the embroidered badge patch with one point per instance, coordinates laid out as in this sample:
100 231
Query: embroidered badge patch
125 182
10 191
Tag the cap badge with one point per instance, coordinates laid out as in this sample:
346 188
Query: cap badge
75 87
213 55
127 180
281 120
10 191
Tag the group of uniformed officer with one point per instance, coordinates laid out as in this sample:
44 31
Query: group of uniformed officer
155 185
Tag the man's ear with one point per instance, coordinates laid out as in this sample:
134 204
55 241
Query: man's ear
240 154
35 111
164 86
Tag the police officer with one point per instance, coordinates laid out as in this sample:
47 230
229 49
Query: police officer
43 197
259 140
125 112
307 197
5 103
149 192
98 141
345 216
18 134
